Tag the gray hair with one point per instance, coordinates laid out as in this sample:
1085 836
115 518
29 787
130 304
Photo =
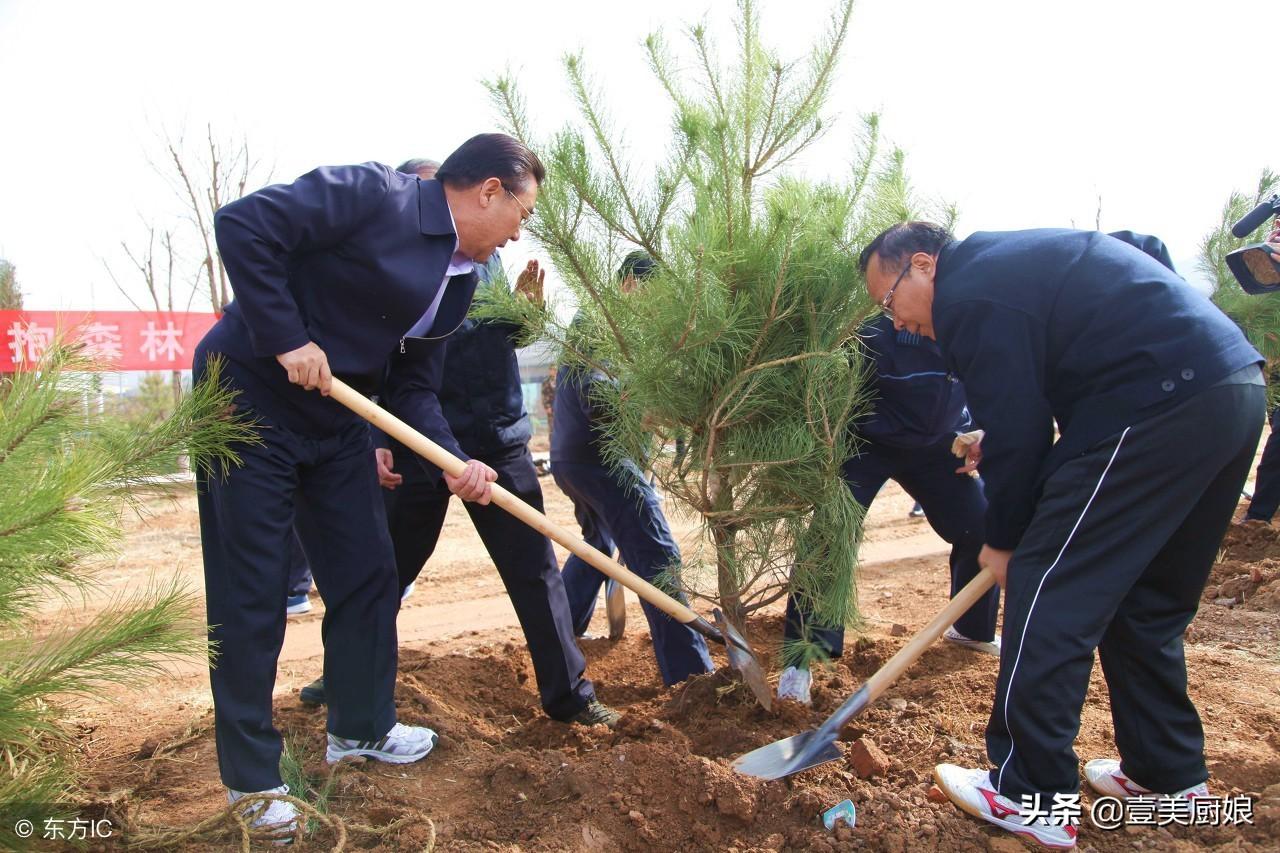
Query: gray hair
418 165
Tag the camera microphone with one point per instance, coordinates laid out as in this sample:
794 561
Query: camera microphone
1251 220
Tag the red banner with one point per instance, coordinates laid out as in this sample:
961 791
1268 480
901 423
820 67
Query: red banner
120 340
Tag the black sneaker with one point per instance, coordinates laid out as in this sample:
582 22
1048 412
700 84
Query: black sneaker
313 693
595 713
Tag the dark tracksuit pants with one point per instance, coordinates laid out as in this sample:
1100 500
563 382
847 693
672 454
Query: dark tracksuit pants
299 569
624 508
1266 490
1115 558
524 559
954 507
327 488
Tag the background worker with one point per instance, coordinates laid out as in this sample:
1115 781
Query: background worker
1266 487
917 411
616 504
1099 541
482 402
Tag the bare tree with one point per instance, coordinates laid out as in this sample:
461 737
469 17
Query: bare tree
203 178
218 171
157 276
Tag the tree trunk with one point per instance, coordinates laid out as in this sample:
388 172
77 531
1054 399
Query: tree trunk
722 534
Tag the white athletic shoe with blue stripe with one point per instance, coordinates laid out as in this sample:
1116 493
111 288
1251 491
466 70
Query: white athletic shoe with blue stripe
402 745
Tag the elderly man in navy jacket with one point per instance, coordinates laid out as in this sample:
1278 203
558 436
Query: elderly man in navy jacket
1099 540
482 401
331 275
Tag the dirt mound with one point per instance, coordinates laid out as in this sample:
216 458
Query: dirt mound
1248 569
506 778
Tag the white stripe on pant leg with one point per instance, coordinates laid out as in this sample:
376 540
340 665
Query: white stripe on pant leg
1027 624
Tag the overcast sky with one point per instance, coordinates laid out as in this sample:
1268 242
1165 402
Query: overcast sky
1023 113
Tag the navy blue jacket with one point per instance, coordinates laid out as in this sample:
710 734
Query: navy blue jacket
918 402
578 435
349 257
1075 326
480 390
481 394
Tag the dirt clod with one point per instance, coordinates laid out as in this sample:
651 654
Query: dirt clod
867 759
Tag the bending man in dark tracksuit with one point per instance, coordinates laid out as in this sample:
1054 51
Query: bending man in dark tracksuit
484 406
330 273
918 410
1100 541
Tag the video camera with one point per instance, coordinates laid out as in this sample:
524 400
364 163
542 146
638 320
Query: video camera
1256 266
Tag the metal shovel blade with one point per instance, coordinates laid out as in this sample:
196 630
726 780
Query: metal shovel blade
741 659
787 756
807 749
615 605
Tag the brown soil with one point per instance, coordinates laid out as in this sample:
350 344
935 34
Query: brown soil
1248 570
506 778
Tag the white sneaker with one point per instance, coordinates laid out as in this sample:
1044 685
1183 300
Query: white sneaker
971 790
1104 776
990 647
408 591
402 745
277 814
794 685
296 605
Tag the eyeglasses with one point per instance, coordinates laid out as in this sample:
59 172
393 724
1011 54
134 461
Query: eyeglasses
886 304
526 212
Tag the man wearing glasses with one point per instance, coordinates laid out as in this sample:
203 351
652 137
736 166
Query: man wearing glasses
331 273
1099 542
482 402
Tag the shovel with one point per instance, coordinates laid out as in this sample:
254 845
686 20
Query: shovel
615 605
740 655
818 746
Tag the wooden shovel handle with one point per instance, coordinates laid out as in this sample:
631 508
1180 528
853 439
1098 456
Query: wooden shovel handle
929 634
447 462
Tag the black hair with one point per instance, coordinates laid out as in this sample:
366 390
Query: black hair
417 164
491 155
637 264
903 240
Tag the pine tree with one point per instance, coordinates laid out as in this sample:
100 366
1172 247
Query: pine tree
743 343
1257 315
65 476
